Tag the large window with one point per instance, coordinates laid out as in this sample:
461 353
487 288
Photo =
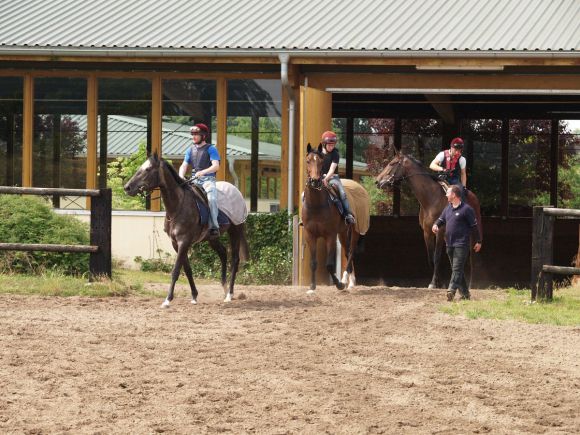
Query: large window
254 141
528 165
59 148
11 131
373 145
124 132
483 153
421 139
185 103
569 164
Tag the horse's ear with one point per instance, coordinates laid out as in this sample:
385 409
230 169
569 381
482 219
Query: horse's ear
319 148
308 148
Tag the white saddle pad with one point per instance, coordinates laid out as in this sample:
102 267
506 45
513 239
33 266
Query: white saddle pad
231 202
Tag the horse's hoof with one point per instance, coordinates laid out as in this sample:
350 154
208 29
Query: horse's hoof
228 298
431 286
165 304
194 302
340 286
310 292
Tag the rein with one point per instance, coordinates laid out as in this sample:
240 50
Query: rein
405 177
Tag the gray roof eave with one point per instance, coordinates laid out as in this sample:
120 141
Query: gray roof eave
275 53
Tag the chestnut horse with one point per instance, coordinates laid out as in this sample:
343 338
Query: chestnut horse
183 226
321 218
432 200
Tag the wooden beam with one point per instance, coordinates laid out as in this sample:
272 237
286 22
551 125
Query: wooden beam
27 130
222 125
92 109
444 110
444 81
156 109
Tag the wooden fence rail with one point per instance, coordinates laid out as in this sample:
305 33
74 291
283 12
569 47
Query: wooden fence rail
100 235
543 251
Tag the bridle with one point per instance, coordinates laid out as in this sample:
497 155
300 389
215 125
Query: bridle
314 183
393 179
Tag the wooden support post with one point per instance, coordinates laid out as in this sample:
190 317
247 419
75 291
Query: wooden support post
100 262
542 253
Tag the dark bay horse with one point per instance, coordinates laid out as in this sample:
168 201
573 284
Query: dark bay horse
321 218
183 225
432 200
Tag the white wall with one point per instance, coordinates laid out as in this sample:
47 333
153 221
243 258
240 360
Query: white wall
133 233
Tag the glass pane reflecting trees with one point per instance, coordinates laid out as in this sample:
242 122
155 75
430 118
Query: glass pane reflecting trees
60 139
254 141
11 131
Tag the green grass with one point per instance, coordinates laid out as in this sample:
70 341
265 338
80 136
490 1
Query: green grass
564 310
124 282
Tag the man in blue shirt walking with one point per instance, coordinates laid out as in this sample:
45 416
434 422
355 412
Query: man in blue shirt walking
204 159
460 221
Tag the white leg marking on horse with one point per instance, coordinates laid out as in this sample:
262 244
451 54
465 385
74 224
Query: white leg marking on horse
431 286
351 281
344 277
194 302
165 304
310 292
228 298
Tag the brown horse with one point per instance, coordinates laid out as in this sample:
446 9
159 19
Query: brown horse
183 226
321 218
432 200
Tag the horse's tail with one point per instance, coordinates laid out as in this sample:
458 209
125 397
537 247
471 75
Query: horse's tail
244 248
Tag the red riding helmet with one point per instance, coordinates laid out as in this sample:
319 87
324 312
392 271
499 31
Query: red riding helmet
329 137
457 143
200 129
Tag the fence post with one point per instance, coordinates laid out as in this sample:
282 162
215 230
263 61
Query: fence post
100 261
542 253
295 250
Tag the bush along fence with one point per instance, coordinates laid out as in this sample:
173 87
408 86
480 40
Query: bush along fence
100 228
270 243
543 251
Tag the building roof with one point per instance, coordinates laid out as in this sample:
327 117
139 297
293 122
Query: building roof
382 27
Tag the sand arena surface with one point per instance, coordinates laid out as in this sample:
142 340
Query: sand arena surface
372 360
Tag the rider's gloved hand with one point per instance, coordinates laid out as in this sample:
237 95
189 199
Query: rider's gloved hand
443 175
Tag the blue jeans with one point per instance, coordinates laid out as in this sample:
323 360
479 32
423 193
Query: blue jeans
208 184
457 257
335 181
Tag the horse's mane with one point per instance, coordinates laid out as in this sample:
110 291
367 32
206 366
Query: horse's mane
173 172
423 168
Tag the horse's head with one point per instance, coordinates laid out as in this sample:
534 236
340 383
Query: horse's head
314 160
146 178
393 172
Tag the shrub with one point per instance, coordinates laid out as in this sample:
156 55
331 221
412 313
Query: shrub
270 245
26 219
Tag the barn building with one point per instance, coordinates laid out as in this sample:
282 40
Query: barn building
82 85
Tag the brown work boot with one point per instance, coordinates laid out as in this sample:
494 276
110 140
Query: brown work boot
450 296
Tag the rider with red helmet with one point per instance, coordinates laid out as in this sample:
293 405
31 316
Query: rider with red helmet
204 159
451 164
329 170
